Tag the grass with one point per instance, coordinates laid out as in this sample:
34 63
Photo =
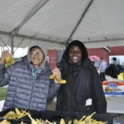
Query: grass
3 91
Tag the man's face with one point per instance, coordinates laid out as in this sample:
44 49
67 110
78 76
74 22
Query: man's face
75 54
36 56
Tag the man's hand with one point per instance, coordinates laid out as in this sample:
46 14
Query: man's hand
56 72
4 54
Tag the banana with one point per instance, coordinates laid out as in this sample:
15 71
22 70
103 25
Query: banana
49 122
5 122
15 115
39 121
52 76
75 121
32 119
9 114
59 80
9 60
88 118
21 115
17 111
101 122
82 118
62 121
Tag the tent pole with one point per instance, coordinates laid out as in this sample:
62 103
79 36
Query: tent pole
12 45
82 16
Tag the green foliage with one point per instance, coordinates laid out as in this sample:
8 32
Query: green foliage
3 91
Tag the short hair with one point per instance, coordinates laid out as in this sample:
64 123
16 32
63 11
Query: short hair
34 47
114 58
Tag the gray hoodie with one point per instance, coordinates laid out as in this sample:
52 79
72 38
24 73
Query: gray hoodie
43 48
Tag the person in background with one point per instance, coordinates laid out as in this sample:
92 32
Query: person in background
111 73
118 66
29 86
83 91
102 68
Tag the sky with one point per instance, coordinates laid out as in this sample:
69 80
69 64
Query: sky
20 52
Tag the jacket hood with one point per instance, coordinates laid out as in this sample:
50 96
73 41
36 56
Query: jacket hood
65 56
44 49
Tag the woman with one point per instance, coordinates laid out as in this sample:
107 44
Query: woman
83 91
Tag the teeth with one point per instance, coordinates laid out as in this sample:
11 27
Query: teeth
35 60
74 57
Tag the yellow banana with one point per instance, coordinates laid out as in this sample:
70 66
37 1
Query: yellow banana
82 118
5 122
32 119
88 118
48 122
52 76
9 60
59 80
62 121
17 111
10 113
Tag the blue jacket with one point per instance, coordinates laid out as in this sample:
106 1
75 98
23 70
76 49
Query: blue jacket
24 91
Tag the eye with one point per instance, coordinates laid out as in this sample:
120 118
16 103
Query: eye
75 52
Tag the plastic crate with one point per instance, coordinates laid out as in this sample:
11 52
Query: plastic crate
98 117
52 116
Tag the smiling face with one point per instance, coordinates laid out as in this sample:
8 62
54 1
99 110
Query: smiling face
75 54
36 56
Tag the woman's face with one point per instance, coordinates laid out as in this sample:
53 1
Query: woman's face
75 54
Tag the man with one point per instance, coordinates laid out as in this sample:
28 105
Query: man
102 68
29 86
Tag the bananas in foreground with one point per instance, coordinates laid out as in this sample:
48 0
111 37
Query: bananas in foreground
5 122
87 120
84 120
15 114
21 113
59 80
40 121
9 60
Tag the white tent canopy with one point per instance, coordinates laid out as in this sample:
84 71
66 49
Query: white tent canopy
97 23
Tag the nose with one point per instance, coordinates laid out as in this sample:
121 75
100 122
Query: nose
37 54
74 52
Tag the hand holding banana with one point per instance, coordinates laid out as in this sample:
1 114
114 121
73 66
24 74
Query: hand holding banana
57 76
6 58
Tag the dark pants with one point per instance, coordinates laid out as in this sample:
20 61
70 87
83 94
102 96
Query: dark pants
102 76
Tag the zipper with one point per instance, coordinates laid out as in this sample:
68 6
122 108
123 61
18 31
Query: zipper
32 91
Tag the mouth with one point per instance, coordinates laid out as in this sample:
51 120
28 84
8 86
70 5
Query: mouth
75 58
35 60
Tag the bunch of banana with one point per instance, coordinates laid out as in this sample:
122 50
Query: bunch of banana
59 80
15 115
40 121
87 120
5 122
9 60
